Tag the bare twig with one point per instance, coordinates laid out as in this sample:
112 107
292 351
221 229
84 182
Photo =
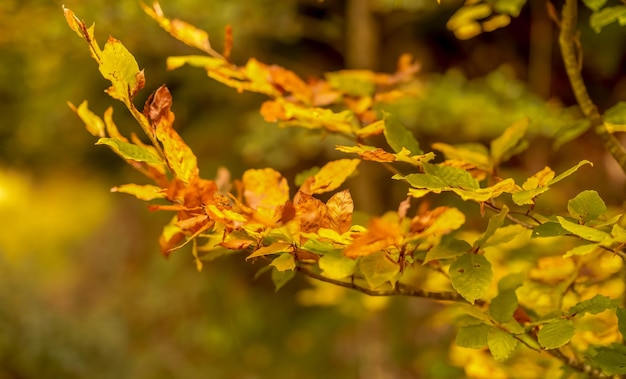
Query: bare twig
570 49
400 289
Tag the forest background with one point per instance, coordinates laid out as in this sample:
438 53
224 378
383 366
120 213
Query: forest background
85 292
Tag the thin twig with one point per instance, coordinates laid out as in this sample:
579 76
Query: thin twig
400 289
571 51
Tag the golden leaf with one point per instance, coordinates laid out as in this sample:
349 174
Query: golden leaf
340 207
333 174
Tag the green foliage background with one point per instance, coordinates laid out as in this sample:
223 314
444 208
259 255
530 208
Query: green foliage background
84 292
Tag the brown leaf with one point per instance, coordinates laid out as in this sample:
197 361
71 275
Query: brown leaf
340 208
310 212
380 235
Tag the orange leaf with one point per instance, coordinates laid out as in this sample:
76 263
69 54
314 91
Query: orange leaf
228 41
333 174
380 235
273 111
310 212
180 159
369 153
340 208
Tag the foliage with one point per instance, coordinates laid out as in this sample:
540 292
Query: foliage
545 280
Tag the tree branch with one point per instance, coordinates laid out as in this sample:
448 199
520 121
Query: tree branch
400 289
568 40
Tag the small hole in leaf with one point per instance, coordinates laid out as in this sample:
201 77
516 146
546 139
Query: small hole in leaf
461 271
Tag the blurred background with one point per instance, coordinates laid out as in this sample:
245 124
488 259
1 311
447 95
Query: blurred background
84 291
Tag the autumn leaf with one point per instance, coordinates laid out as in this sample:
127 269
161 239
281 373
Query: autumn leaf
368 153
333 174
180 159
340 208
142 192
120 67
380 235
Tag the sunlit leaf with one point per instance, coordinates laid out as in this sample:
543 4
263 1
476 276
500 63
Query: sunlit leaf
471 276
582 250
586 206
380 234
144 192
541 182
120 67
284 262
265 188
506 234
369 153
398 136
335 265
501 344
511 142
583 231
93 122
333 174
556 333
340 208
275 248
130 151
474 154
377 269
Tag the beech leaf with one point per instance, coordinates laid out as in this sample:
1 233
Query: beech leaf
586 206
471 276
501 344
398 136
333 174
130 151
556 333
377 269
275 248
284 262
120 67
335 265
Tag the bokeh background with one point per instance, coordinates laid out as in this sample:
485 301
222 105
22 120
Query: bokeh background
84 292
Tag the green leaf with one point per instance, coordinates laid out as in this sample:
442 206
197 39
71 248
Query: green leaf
621 321
495 222
583 231
119 66
378 270
398 136
607 16
473 153
586 206
612 359
618 233
448 248
472 336
594 5
511 142
616 114
131 151
335 265
503 306
352 82
582 250
527 196
280 278
556 333
549 229
471 276
506 234
510 7
511 282
501 344
595 305
284 262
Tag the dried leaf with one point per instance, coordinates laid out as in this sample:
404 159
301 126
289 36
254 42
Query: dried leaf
340 208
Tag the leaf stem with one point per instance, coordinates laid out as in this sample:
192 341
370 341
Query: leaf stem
570 48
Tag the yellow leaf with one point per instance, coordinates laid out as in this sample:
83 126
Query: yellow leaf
93 123
180 159
380 235
340 208
368 153
120 67
145 192
539 179
265 189
275 248
333 174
